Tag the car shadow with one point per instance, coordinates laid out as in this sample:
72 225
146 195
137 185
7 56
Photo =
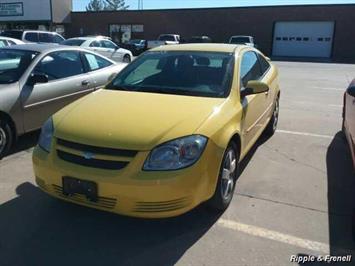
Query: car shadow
341 200
36 229
24 142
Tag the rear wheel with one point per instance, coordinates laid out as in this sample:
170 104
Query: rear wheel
272 126
226 179
5 138
127 58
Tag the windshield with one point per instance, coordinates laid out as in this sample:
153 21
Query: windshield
205 74
240 40
169 38
74 42
13 63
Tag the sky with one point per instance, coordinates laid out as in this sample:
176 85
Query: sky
79 5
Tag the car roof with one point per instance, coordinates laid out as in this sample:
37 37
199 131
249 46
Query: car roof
205 47
89 38
41 48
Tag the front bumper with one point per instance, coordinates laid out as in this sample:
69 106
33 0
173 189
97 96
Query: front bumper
131 191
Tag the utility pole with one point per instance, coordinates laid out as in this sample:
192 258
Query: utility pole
140 5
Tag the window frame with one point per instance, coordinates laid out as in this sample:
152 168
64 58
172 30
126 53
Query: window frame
87 65
240 67
60 79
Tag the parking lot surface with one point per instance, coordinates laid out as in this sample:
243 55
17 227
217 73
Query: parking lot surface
294 196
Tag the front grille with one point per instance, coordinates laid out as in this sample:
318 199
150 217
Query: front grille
94 149
94 163
108 203
103 158
161 206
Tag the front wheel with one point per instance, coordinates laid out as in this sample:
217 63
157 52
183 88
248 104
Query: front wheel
226 179
127 58
272 126
5 138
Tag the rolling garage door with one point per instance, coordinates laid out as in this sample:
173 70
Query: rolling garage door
303 39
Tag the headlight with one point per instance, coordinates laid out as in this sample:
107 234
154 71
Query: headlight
45 139
176 154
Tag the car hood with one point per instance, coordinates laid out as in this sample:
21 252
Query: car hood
132 120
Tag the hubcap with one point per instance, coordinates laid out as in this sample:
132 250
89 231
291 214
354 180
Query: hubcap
276 115
2 140
228 174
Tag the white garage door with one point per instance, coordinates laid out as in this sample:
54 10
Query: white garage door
303 39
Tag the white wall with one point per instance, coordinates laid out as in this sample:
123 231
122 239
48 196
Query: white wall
39 10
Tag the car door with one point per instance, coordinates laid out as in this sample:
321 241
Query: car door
254 106
100 70
67 81
97 46
113 51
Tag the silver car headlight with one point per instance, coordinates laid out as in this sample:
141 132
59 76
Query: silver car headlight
176 154
45 139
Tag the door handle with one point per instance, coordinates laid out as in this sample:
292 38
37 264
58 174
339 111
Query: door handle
85 83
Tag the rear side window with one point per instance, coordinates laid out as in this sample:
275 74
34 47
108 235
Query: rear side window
32 37
264 64
73 42
96 62
95 44
57 38
108 44
59 65
45 37
3 43
250 68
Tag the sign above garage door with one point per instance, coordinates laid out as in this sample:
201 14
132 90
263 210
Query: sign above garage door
303 39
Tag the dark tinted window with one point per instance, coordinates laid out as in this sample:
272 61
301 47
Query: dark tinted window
45 37
57 38
31 37
13 34
60 65
240 40
264 64
73 42
250 68
13 63
11 42
108 44
96 62
203 74
169 38
95 44
3 43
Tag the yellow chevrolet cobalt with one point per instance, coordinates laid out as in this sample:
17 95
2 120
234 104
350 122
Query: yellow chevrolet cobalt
166 135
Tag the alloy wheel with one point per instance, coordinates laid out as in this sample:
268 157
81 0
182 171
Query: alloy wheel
3 140
228 174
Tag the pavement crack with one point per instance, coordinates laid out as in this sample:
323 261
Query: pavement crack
294 160
293 205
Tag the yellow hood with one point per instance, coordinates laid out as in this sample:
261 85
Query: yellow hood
132 120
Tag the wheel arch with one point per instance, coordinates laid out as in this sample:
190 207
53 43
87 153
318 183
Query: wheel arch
7 117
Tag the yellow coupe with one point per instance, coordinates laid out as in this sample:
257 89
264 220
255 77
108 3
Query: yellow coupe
165 135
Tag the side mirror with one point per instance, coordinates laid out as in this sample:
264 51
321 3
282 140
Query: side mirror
351 91
37 78
254 87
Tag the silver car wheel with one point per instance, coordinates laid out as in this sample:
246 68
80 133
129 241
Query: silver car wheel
3 140
276 115
228 174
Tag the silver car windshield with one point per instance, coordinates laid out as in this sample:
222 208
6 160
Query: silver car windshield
13 63
204 74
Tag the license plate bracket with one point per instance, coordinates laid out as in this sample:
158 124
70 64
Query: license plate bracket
73 186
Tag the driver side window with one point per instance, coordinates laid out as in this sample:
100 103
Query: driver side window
250 68
59 65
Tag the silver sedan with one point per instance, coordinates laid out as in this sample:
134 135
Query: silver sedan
37 80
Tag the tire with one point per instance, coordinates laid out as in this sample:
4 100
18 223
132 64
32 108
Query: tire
223 194
272 125
5 138
127 58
